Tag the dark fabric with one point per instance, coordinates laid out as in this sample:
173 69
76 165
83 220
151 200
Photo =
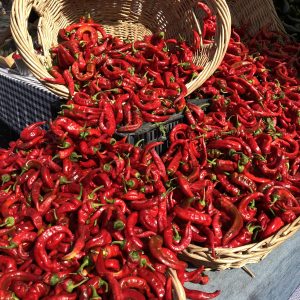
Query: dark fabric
23 100
276 277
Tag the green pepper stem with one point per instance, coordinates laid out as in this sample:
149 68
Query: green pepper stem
85 263
9 222
95 295
80 193
5 178
119 225
71 286
91 195
54 279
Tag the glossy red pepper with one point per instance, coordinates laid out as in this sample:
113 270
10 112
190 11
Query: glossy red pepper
153 281
244 237
247 212
155 247
107 122
183 243
40 253
199 295
192 215
272 227
237 219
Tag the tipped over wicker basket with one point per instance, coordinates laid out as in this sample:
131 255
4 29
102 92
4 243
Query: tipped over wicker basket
123 18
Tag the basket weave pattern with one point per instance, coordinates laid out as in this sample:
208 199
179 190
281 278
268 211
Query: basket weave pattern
124 18
255 15
238 257
178 289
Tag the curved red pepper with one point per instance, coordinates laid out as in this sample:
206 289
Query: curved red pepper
272 227
247 212
237 222
184 242
192 215
41 256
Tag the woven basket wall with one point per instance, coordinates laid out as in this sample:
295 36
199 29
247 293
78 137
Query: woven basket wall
124 18
178 290
255 14
238 257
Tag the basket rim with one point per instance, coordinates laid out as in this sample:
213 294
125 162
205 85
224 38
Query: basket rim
19 23
178 287
239 256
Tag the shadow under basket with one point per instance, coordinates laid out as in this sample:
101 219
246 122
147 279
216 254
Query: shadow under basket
152 132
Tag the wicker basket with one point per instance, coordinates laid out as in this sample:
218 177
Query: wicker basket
238 257
255 14
124 18
178 290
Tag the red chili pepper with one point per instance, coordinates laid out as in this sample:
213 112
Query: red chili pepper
243 181
133 195
288 216
197 40
237 222
227 185
244 237
108 116
272 227
174 163
136 283
7 278
217 229
155 247
90 71
67 125
192 215
247 212
184 242
225 165
103 238
7 264
153 281
153 118
87 29
41 256
37 290
225 144
184 185
199 295
65 59
69 81
46 177
28 145
58 78
132 294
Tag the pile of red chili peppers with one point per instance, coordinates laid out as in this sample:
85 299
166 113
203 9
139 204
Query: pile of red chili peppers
139 81
86 216
241 160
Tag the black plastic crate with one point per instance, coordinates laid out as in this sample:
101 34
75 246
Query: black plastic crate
23 101
150 132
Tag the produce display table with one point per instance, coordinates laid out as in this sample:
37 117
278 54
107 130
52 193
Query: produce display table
23 100
276 277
